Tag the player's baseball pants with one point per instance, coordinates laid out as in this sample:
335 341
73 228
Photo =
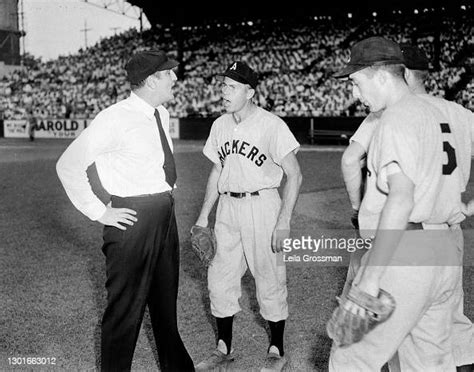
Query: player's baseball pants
424 286
142 266
463 329
244 230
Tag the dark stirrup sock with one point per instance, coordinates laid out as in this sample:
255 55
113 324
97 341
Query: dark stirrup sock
276 333
224 331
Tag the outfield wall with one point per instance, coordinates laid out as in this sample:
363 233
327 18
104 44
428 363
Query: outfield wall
47 128
305 129
59 128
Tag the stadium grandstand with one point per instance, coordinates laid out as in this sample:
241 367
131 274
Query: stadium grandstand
295 55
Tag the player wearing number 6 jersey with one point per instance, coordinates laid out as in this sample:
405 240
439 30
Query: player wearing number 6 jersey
461 123
413 184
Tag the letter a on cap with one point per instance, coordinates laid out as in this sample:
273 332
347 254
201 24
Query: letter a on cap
234 66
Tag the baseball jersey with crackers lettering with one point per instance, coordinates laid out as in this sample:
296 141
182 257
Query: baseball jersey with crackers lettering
250 152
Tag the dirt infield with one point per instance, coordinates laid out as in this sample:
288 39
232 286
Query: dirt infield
52 269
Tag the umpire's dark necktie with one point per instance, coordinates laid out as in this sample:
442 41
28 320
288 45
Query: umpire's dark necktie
168 165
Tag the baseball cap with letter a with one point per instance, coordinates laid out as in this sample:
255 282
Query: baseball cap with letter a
241 72
375 50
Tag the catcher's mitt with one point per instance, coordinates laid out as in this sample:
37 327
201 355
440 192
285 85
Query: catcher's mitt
203 241
346 328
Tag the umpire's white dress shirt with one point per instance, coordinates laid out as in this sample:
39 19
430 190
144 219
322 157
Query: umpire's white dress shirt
124 142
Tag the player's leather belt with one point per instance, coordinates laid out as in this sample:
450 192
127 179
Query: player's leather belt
414 226
240 195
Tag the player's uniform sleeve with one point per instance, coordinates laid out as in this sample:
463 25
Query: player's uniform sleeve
399 151
363 134
211 148
98 138
282 142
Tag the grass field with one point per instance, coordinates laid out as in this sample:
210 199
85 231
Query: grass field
52 268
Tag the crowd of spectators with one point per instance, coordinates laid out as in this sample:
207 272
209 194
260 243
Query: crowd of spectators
295 58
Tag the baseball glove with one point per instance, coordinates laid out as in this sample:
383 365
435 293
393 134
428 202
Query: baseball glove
346 328
203 241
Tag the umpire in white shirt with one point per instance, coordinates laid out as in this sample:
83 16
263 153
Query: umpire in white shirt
129 143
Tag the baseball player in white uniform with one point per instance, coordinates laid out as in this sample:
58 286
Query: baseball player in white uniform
462 121
354 172
251 149
414 185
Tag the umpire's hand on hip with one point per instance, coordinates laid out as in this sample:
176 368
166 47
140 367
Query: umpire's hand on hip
117 216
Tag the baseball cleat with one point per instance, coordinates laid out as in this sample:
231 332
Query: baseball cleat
274 362
218 361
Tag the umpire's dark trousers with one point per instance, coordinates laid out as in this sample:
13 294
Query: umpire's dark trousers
142 266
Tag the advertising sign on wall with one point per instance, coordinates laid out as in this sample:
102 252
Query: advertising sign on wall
60 128
174 127
15 128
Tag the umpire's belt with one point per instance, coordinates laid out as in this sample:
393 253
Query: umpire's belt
164 193
240 195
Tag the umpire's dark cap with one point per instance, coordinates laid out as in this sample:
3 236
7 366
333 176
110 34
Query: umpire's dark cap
415 58
143 64
375 50
241 72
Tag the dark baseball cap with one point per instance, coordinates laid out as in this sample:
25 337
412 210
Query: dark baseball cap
241 72
143 64
375 50
414 57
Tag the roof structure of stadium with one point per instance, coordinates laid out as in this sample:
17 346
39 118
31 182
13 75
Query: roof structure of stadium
203 11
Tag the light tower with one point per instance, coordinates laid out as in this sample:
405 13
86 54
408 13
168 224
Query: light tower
10 32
